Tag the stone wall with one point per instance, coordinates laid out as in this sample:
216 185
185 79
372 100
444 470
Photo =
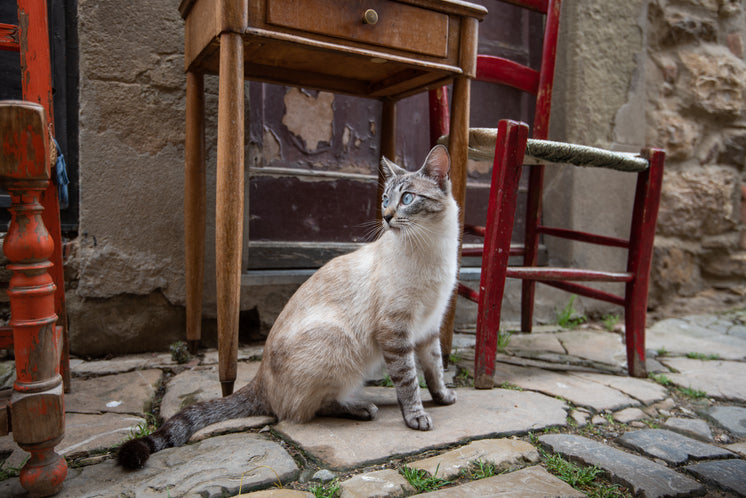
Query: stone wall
696 92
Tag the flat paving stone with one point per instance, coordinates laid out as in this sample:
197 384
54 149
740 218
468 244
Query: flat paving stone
130 392
731 418
692 427
739 448
644 477
86 433
629 415
578 390
682 336
713 377
646 391
502 453
381 484
221 466
671 447
200 384
279 493
344 444
121 365
532 482
729 475
595 346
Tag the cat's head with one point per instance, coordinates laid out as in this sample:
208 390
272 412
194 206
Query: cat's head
419 198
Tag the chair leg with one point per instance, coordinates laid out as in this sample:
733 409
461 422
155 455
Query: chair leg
642 233
531 243
439 115
506 173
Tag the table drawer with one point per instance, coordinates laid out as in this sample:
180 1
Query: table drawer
399 26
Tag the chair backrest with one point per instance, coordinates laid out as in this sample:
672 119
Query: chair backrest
535 82
504 71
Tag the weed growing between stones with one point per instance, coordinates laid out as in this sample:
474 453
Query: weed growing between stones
661 379
8 472
586 479
689 392
329 490
568 317
421 480
703 357
479 470
503 339
610 321
180 352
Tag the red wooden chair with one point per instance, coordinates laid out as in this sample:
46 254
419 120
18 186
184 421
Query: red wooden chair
511 143
536 82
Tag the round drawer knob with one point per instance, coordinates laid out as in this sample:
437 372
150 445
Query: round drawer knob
370 16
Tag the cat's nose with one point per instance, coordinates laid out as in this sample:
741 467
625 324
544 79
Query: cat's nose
388 217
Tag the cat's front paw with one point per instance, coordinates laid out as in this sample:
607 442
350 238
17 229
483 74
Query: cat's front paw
445 397
419 421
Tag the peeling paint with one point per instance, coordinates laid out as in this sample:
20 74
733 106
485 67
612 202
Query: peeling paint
309 118
271 147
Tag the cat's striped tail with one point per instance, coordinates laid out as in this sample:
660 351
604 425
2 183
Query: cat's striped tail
246 402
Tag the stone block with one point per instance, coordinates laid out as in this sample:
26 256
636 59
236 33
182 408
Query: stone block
674 26
729 475
380 484
699 202
642 476
692 427
716 81
532 482
732 418
671 447
502 453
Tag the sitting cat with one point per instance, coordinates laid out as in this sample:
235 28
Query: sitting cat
384 301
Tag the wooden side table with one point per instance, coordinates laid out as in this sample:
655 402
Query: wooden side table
383 49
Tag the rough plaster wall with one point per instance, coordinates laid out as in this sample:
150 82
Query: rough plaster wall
598 100
131 148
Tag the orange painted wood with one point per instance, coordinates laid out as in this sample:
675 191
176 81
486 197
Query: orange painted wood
9 37
36 82
37 407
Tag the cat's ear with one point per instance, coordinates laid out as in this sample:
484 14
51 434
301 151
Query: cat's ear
390 169
437 166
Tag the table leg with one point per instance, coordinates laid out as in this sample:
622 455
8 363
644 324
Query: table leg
194 206
388 145
229 204
458 143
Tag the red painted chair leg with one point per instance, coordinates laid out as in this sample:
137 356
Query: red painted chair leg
506 173
531 243
642 233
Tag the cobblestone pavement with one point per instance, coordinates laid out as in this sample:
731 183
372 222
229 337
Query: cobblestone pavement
564 410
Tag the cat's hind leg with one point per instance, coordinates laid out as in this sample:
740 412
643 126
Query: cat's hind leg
355 409
431 362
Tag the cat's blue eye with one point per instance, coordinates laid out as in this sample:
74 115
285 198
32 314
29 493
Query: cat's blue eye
407 199
385 202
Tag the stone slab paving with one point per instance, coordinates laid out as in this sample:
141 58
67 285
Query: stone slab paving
597 346
130 392
731 418
86 433
502 453
381 483
578 390
692 427
645 391
713 377
279 493
739 448
686 335
532 482
629 415
642 476
221 466
671 447
80 368
200 384
343 444
726 474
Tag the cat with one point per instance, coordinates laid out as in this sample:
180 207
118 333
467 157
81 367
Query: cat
383 302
